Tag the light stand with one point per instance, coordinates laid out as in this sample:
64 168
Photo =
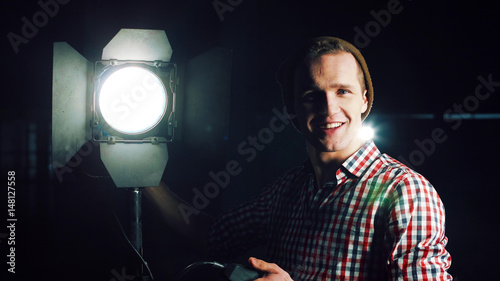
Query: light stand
135 235
136 159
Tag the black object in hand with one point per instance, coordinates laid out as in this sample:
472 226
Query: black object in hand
238 272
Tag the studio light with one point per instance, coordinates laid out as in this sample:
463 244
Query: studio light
129 99
125 105
132 100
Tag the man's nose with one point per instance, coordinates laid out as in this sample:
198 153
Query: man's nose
330 104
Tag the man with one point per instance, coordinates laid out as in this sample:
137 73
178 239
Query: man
350 213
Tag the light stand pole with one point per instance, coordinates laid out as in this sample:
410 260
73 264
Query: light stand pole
135 232
136 226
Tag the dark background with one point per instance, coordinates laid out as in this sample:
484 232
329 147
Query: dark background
426 60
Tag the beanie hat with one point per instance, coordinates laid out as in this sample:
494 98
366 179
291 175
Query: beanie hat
314 48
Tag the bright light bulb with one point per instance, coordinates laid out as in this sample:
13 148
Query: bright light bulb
367 133
133 100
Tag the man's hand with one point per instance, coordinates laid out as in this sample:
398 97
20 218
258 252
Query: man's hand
272 270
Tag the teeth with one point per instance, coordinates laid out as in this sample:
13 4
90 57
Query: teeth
332 125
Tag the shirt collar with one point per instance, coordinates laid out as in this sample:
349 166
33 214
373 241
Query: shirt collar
357 163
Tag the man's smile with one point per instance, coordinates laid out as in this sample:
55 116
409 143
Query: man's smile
331 125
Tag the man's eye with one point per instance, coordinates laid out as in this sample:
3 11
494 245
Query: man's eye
343 92
310 97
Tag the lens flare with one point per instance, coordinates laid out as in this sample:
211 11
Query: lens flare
367 133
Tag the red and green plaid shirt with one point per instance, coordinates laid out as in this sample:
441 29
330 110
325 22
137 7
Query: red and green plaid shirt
379 221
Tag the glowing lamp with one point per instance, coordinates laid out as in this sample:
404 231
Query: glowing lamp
132 100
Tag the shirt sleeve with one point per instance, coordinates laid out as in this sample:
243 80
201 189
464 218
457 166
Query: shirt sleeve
417 232
242 227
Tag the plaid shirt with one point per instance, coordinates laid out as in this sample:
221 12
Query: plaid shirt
379 221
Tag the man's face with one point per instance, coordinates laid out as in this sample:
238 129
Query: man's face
329 102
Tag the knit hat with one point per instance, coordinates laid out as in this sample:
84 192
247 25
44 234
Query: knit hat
314 48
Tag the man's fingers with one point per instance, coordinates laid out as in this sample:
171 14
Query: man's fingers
272 270
262 265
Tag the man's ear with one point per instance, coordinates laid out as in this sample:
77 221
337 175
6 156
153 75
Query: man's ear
365 102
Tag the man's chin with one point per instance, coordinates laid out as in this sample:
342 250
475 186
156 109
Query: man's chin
321 146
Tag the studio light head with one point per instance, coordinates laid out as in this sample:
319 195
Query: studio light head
134 89
125 104
134 101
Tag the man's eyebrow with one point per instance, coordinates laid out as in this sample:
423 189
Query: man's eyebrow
312 87
315 86
342 86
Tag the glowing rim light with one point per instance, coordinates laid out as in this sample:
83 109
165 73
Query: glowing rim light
132 100
367 133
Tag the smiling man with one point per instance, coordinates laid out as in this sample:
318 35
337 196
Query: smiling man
350 212
330 99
